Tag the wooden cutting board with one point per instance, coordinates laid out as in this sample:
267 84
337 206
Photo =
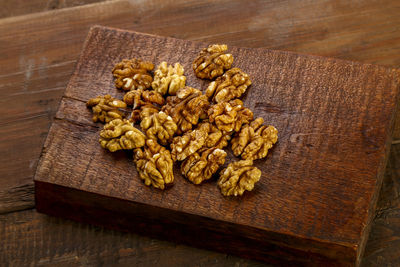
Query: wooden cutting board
319 185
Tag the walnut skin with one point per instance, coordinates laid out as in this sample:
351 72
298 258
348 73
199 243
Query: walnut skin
231 85
133 74
159 126
201 165
230 116
186 108
168 79
238 177
212 62
106 108
187 144
154 164
254 140
138 98
120 134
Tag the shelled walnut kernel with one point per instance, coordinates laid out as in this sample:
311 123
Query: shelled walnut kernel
232 84
230 116
154 164
132 74
186 108
120 134
168 79
254 140
201 165
238 177
138 98
106 108
159 126
212 61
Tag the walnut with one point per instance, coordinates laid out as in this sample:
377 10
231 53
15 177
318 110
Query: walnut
212 62
159 126
231 85
216 138
133 74
201 165
120 134
229 116
154 164
238 177
187 144
106 108
143 112
186 108
168 79
138 98
254 140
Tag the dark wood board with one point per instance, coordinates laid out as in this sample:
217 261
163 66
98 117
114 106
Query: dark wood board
318 190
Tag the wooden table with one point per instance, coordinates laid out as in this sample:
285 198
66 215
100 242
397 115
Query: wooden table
38 52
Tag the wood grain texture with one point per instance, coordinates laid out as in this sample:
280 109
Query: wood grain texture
22 7
33 239
319 185
39 50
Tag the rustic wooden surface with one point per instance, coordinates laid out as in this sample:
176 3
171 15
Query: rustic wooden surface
319 184
39 52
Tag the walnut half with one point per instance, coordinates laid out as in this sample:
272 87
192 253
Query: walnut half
154 164
238 177
106 108
120 134
212 61
168 79
254 140
201 165
232 84
159 126
132 74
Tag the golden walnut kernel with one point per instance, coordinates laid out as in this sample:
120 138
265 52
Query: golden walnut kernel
120 134
106 108
186 108
138 98
132 74
254 140
143 112
187 144
154 164
159 126
231 85
168 79
203 164
229 116
216 138
238 177
212 62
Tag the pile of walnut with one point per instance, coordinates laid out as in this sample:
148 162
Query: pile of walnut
181 124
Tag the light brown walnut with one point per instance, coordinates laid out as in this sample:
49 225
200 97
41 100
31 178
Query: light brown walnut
212 61
254 140
106 108
120 134
238 177
187 144
216 138
143 112
168 79
229 116
201 165
154 165
132 74
186 108
232 84
159 126
138 98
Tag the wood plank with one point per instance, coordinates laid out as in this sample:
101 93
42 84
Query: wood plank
39 50
332 178
31 238
22 7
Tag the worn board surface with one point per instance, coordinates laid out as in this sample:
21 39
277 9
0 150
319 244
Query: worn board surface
319 185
